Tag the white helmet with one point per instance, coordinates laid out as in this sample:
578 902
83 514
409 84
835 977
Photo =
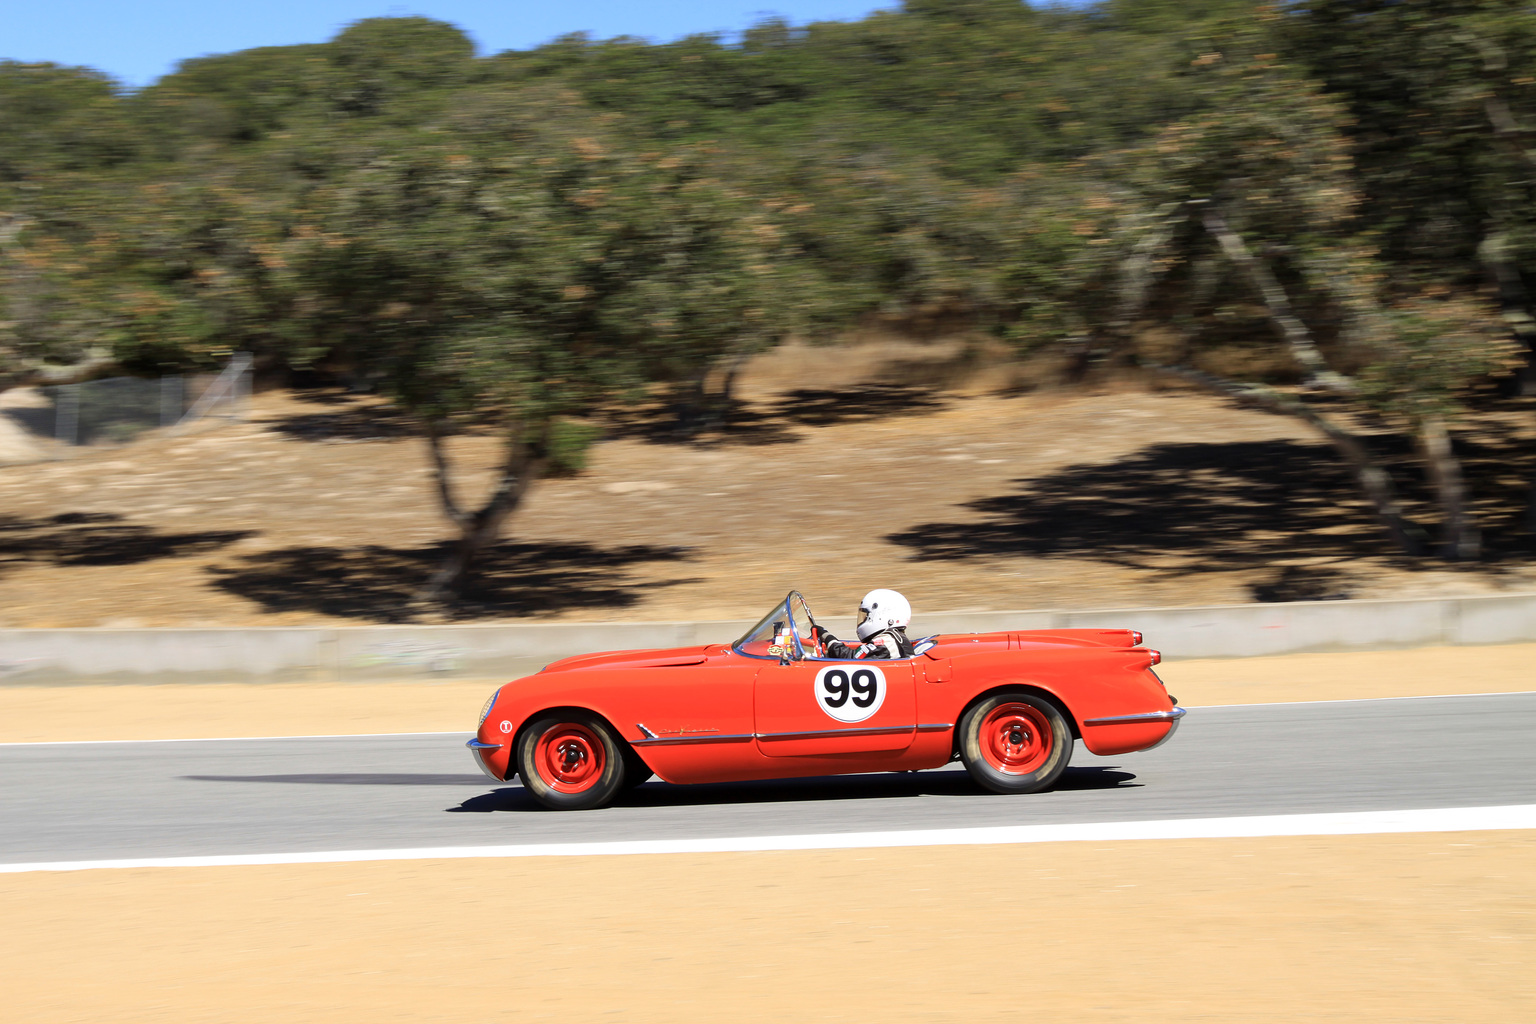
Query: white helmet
882 609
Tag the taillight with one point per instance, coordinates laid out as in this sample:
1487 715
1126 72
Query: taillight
1157 657
1136 638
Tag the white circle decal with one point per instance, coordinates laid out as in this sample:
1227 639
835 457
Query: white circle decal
506 726
850 693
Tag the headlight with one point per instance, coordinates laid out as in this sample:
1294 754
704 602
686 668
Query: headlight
486 711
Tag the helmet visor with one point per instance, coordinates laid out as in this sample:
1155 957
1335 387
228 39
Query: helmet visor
863 616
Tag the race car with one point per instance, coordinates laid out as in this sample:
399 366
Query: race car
772 705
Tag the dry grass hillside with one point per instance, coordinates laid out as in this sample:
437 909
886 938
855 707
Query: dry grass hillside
851 468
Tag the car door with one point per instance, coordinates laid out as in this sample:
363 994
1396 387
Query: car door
693 723
811 707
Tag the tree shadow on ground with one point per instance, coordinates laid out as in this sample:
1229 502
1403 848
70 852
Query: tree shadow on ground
380 583
99 538
1286 508
349 420
824 407
874 786
744 423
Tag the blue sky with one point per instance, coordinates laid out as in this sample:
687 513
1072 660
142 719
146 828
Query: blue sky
137 41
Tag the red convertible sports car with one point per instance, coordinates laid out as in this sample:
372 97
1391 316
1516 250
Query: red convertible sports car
772 706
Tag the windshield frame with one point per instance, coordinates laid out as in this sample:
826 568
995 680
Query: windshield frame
784 614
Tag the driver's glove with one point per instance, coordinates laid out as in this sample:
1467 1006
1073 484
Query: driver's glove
833 647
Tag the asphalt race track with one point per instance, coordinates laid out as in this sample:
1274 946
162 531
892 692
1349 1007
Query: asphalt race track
216 797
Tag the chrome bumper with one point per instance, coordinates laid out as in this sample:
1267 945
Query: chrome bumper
1174 715
475 746
1147 716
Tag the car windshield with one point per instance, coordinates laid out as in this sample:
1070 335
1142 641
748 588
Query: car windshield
787 629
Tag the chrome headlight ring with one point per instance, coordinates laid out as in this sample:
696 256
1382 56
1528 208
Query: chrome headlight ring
485 712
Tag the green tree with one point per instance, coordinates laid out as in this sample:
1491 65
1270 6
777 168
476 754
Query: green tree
59 119
508 276
1442 98
389 62
1251 205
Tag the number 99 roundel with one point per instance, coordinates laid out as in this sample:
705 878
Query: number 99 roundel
850 693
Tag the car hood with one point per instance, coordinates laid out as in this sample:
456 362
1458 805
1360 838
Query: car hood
668 658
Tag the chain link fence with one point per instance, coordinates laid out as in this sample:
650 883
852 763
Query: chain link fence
38 424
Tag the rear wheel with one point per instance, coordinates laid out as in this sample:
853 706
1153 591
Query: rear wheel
570 761
1015 742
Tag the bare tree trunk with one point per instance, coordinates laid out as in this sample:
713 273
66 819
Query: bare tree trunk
1514 300
691 408
1520 314
703 409
478 530
1139 272
1296 335
1518 138
1375 483
1459 539
733 370
1530 509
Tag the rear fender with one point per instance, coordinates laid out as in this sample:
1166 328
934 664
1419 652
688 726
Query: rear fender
1023 687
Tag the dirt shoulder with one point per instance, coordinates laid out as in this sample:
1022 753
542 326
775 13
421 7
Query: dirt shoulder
178 711
1420 672
1413 928
846 469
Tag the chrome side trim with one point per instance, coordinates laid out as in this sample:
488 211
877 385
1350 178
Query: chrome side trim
644 731
825 734
1146 716
652 740
818 734
691 738
477 745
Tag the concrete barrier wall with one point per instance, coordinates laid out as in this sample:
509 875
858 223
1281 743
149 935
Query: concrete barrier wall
363 653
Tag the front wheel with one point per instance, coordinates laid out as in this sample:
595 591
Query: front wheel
1015 742
570 761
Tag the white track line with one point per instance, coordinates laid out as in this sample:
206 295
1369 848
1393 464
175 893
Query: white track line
1445 819
1359 700
470 732
240 739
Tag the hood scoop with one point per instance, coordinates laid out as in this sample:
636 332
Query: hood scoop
670 662
631 659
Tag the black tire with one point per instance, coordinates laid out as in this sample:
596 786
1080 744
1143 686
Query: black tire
1015 742
570 761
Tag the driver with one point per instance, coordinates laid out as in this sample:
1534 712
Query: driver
882 629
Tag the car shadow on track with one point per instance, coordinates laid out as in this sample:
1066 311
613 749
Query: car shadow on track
350 779
835 787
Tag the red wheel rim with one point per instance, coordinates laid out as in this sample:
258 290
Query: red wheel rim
1016 738
569 758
